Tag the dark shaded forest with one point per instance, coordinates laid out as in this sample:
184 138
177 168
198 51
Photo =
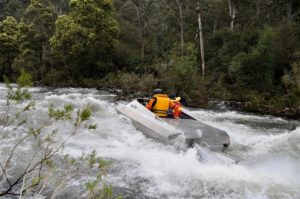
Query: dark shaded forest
245 51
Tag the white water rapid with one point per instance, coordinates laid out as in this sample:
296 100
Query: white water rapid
143 168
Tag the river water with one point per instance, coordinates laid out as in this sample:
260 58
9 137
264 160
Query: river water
268 149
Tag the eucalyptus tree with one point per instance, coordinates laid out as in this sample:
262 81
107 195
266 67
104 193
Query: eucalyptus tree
139 14
9 45
84 40
15 8
36 28
176 13
61 6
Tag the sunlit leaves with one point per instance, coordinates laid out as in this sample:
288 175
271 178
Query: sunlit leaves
97 188
85 114
92 126
9 30
86 37
24 79
64 114
92 159
20 93
35 132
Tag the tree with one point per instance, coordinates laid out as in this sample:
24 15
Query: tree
14 8
9 45
232 12
201 43
35 31
142 8
180 11
85 39
256 69
176 11
62 6
138 13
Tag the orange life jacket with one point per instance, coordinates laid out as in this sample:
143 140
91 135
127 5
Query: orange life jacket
177 110
160 104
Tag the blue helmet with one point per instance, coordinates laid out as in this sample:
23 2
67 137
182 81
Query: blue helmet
158 91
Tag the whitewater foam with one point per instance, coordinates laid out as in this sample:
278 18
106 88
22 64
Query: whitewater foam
144 168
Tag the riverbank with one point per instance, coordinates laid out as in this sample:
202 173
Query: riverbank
130 86
246 106
262 109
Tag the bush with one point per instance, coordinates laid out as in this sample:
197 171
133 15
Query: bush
180 74
254 101
33 164
131 82
56 78
255 69
296 74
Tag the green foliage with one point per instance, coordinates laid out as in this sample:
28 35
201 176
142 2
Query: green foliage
34 132
9 40
180 75
85 114
254 101
92 159
36 29
50 164
223 45
35 181
20 93
137 47
24 79
85 38
29 106
261 68
13 8
296 72
65 114
131 82
56 78
96 188
91 186
39 166
92 126
17 95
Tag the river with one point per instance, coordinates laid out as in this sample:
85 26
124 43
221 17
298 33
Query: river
268 148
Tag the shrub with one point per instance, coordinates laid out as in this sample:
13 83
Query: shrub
34 161
131 82
56 78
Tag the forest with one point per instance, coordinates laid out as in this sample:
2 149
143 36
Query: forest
245 51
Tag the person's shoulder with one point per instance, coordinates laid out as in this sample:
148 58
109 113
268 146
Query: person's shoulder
160 95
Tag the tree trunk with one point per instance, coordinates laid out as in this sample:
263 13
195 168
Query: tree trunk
60 9
179 4
257 4
142 43
201 44
141 26
289 11
232 13
215 25
9 61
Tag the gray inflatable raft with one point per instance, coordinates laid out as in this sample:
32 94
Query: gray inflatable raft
186 130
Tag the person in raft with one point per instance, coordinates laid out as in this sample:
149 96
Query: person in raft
163 106
177 109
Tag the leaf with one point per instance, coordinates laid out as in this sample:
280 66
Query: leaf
85 114
29 106
24 79
92 126
92 159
